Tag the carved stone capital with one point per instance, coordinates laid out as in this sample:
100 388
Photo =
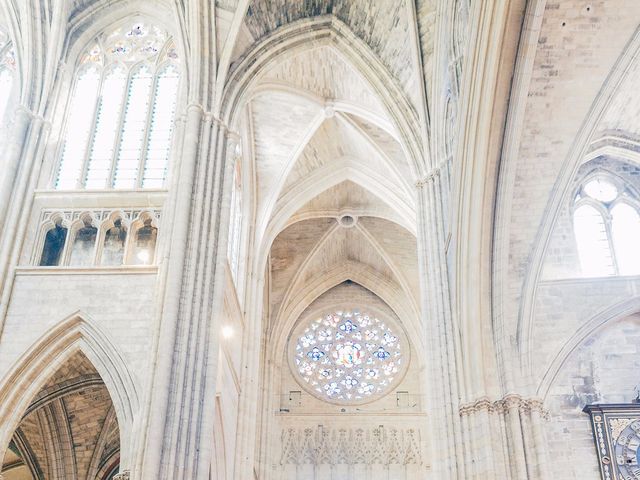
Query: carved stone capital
505 404
124 475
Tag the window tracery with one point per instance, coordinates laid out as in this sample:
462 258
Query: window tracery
120 118
100 237
606 222
348 356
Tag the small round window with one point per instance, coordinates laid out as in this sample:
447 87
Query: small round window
601 190
348 356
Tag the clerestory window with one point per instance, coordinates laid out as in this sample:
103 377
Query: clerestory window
121 113
235 219
606 223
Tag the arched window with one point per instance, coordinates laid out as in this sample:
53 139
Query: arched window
607 228
144 244
235 219
121 114
53 248
84 243
7 73
115 239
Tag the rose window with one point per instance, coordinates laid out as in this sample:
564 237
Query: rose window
348 356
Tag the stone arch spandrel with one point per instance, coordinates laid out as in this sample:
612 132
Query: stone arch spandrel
562 188
597 323
27 376
598 365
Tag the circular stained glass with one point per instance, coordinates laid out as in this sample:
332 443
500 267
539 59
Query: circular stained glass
348 356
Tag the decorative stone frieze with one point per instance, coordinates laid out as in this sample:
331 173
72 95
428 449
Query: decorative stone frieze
72 215
506 403
380 445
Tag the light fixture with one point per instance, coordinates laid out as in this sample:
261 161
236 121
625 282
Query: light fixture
227 331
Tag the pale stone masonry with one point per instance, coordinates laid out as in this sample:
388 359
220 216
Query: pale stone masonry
188 185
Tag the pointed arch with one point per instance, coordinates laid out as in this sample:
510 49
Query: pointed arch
597 322
325 178
84 27
75 333
308 33
362 275
562 188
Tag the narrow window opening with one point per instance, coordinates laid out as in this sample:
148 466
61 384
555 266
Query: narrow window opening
114 242
625 227
53 246
83 245
593 243
145 244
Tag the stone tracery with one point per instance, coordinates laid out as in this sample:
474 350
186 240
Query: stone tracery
348 356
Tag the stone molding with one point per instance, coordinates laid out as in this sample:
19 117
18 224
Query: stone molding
73 215
125 475
333 446
504 405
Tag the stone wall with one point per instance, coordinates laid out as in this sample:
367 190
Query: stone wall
604 369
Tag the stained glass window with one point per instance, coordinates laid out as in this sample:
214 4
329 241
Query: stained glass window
348 356
607 228
121 113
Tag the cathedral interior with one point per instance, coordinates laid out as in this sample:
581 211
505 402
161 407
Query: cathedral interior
319 239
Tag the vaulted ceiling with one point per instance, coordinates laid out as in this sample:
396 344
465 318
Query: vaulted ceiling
70 429
334 191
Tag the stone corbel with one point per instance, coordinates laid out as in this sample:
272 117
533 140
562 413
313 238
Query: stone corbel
124 475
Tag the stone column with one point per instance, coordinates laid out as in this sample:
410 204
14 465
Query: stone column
19 198
15 145
125 475
441 375
511 428
179 433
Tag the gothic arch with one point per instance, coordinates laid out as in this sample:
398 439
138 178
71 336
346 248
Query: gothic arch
327 30
320 181
563 187
358 273
597 322
339 105
103 17
76 333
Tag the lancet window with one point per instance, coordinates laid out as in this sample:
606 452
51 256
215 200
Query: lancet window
235 219
121 114
606 223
